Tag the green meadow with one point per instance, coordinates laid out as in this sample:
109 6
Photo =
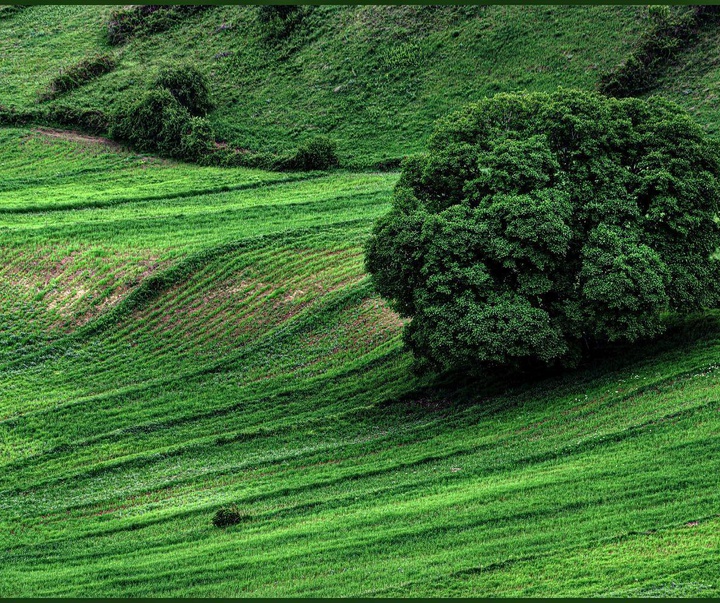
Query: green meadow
175 339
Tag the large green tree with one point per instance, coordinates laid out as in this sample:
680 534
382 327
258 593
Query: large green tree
539 226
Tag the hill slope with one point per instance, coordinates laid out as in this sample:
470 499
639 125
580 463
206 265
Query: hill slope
175 338
375 78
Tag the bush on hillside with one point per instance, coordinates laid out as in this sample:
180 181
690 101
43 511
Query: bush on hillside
158 123
92 121
229 516
318 153
79 74
188 85
145 19
540 226
197 142
279 20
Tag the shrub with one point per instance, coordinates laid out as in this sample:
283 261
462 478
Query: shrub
9 116
229 516
151 119
78 75
93 121
318 153
279 20
540 226
146 19
188 85
122 25
198 140
158 123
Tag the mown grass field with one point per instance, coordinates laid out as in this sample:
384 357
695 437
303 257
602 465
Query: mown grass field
177 338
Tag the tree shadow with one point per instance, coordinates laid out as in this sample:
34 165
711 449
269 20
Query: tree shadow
500 389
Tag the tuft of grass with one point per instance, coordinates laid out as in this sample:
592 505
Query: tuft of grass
229 516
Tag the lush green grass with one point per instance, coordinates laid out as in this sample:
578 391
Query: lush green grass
177 338
694 79
374 78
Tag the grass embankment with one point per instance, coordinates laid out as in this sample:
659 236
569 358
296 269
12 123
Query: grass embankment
178 338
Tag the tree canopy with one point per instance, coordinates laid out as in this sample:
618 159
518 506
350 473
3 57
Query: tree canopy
539 226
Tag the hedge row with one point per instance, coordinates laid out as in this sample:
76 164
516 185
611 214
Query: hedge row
78 75
672 29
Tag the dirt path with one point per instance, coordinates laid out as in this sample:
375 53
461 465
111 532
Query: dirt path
74 136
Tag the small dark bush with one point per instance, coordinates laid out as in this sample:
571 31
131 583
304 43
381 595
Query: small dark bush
188 85
88 120
198 140
9 116
229 516
319 153
78 75
388 165
158 123
155 117
279 20
146 19
122 25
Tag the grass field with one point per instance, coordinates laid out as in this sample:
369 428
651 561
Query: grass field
177 338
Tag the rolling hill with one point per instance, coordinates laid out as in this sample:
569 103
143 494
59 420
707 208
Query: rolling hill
177 338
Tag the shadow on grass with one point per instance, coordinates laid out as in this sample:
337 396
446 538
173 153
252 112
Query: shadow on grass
501 389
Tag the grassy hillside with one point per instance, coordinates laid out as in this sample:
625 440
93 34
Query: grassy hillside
374 78
176 338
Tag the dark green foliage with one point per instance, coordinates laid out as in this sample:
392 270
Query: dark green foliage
188 85
316 154
10 116
147 19
158 123
11 10
198 140
279 20
93 121
672 29
229 516
79 74
540 226
319 153
168 119
155 117
269 12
